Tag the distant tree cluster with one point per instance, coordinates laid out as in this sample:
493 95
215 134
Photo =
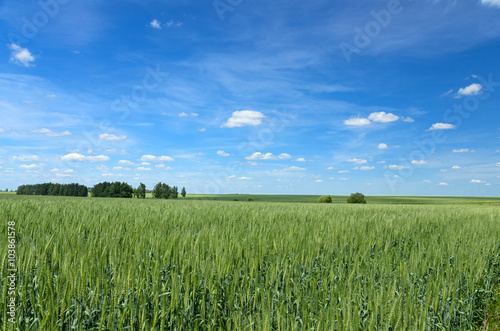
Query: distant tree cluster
68 190
325 199
164 191
112 190
356 198
140 191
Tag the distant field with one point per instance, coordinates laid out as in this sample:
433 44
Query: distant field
133 264
374 199
342 199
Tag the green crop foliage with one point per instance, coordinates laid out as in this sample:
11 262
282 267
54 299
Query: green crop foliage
148 264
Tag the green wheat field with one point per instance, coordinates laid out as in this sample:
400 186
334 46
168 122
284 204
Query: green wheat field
132 264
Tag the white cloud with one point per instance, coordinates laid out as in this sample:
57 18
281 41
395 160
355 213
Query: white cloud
144 169
357 161
381 162
151 158
477 181
26 158
343 171
20 56
183 114
408 119
294 168
318 181
455 167
472 89
111 137
155 24
202 130
55 170
418 162
194 114
222 153
462 150
301 159
50 133
76 157
441 126
2 130
241 118
444 170
125 162
383 117
498 164
396 167
284 156
245 178
427 181
28 166
382 146
233 176
443 184
260 156
172 23
365 168
447 93
357 121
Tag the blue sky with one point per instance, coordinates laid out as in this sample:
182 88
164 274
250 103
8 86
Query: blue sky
237 96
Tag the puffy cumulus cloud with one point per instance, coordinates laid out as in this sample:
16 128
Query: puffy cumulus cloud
294 168
364 168
472 89
284 156
26 158
143 169
183 114
111 137
396 167
222 153
301 159
382 146
125 162
50 133
443 184
155 24
383 117
241 118
21 56
245 178
408 119
441 126
152 158
357 161
260 156
455 167
357 121
477 181
418 162
29 166
77 157
318 181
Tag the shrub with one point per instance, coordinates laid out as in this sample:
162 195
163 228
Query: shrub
250 199
356 198
325 199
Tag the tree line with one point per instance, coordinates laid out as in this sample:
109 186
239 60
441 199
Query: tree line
68 190
102 190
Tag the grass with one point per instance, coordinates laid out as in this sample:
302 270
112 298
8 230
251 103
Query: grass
115 264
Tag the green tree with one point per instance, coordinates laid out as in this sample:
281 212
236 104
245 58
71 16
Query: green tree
183 192
356 198
157 191
140 192
325 199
